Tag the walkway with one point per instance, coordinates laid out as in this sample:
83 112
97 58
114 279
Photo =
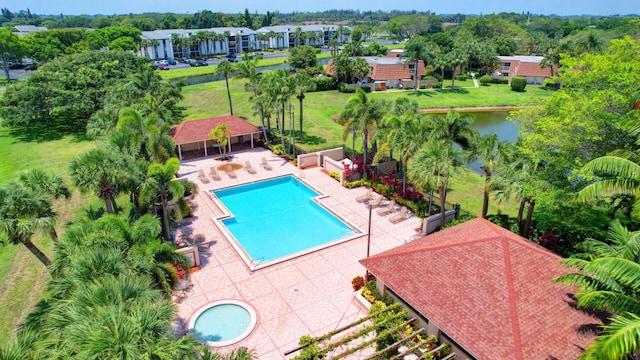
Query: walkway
311 294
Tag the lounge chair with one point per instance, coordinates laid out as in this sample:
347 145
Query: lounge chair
230 172
214 174
400 216
376 202
366 196
388 209
265 164
250 168
202 177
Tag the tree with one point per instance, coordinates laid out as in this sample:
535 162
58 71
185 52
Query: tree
26 208
417 51
362 114
160 176
302 84
72 88
607 278
455 58
146 138
225 68
297 35
10 46
453 128
247 70
302 57
102 171
433 166
489 151
221 133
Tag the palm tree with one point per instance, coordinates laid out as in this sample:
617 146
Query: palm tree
22 213
160 176
489 151
618 173
221 133
359 69
146 138
302 83
46 184
102 171
454 59
608 281
297 35
454 128
441 62
433 166
225 68
406 133
417 51
362 114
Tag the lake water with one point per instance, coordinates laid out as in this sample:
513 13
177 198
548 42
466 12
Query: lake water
488 122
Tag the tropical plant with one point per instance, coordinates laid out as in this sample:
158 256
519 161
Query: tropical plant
225 68
453 128
302 84
433 166
489 151
221 134
362 114
417 51
102 171
160 176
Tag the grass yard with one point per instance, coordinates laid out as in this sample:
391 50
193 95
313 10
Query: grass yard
22 276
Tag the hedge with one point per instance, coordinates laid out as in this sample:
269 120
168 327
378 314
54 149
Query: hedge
325 83
518 83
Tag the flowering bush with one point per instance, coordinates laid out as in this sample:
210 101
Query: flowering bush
549 241
349 168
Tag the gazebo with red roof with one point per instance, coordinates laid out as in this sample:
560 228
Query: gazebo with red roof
194 134
487 292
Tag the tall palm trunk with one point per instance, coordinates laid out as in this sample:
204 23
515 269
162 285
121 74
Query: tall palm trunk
365 150
281 128
165 212
441 192
527 223
264 130
415 87
521 210
300 98
226 80
485 200
442 70
35 251
453 76
107 203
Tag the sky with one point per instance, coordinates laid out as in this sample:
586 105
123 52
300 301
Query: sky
110 7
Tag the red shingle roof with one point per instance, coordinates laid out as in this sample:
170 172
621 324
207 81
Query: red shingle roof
489 290
198 130
532 69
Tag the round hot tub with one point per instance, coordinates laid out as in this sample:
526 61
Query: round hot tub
223 323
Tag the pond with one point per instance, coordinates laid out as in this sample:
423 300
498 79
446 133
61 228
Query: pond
488 122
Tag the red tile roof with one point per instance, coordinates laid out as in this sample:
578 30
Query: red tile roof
532 69
389 68
489 290
198 130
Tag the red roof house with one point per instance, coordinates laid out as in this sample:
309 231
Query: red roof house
487 291
194 134
390 70
525 66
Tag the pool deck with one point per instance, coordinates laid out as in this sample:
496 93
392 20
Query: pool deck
307 295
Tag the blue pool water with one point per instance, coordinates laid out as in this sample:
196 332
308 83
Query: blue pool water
277 217
222 323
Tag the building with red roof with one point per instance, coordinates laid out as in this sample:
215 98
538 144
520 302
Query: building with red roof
389 70
487 292
193 135
525 66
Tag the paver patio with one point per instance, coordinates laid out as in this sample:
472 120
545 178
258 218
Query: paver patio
310 294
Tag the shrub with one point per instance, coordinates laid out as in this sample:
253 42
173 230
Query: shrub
354 184
485 80
501 81
518 83
462 77
437 85
335 175
345 89
423 86
357 283
277 149
325 83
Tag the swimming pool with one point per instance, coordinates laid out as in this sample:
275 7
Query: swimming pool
278 218
223 323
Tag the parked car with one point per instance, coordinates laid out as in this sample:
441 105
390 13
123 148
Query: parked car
162 67
14 65
171 62
31 67
197 63
185 60
231 56
164 62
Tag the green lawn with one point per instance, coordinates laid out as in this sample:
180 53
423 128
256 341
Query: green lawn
22 277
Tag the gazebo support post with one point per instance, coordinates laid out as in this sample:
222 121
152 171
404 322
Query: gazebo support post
205 149
179 152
